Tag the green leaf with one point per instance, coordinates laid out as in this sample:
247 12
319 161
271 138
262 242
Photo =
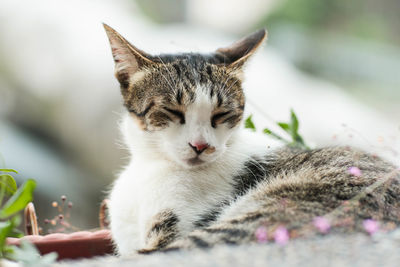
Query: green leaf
8 249
294 122
267 131
8 182
5 230
8 170
16 233
19 200
28 254
300 142
284 126
294 139
274 135
248 124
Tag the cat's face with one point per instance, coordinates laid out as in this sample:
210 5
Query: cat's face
188 105
191 121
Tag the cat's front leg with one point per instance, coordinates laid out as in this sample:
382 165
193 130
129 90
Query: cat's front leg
162 229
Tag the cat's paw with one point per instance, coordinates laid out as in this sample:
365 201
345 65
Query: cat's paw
163 229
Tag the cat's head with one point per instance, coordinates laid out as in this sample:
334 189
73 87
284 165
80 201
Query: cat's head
187 106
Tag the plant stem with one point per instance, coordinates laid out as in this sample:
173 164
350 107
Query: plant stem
2 192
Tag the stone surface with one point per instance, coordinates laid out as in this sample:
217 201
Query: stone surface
381 249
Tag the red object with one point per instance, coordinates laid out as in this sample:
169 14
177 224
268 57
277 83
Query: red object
82 244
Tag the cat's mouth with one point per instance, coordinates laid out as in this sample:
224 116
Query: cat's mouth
195 161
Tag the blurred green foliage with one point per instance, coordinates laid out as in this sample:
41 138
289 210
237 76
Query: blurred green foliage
294 139
10 219
378 20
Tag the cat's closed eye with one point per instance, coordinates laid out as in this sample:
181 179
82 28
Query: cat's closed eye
216 118
177 113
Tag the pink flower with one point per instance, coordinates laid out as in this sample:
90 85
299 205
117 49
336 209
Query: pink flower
261 234
322 224
371 226
281 235
355 171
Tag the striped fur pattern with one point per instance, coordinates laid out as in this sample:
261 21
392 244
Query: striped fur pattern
297 187
162 231
196 179
158 89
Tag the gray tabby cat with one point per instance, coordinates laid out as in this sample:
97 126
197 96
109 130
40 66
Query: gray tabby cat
196 178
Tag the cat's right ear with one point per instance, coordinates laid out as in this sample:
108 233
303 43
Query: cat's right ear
128 59
239 52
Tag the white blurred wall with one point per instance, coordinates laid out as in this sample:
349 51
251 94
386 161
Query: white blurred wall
233 16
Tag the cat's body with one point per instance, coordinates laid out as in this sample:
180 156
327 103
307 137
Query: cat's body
299 186
197 178
150 185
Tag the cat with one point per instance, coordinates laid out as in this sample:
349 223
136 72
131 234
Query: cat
197 178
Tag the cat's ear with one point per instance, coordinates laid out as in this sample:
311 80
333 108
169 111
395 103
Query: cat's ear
128 59
237 53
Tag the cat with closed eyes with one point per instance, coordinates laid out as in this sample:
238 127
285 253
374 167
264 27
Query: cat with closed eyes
196 178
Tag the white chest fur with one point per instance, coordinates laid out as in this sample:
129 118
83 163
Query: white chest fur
149 185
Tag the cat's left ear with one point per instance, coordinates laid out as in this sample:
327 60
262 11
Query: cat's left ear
128 59
239 52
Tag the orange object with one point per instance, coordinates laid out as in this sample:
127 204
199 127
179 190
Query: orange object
82 244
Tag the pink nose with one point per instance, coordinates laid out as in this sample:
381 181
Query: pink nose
198 147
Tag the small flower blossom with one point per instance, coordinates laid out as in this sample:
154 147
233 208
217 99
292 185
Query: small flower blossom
54 204
355 171
281 235
322 224
371 226
261 234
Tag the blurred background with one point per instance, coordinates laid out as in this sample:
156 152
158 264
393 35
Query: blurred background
337 63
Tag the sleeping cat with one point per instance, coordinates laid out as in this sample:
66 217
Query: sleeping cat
196 178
